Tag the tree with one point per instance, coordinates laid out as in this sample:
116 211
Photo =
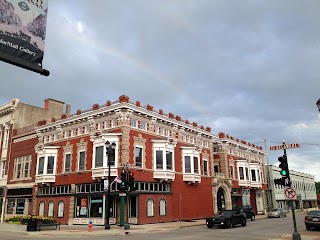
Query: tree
318 187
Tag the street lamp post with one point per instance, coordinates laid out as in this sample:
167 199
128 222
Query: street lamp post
110 154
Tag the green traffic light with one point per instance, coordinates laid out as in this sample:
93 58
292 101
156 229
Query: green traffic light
122 183
283 172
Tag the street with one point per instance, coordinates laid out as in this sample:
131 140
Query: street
259 229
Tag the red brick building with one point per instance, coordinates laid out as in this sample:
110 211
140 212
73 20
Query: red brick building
182 171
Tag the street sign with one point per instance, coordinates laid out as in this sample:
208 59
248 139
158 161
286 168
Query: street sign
122 194
285 146
290 193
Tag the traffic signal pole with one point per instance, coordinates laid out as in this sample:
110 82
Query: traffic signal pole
295 235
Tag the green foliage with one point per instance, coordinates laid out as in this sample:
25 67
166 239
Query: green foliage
24 219
318 187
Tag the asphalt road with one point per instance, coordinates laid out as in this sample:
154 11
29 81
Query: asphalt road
259 229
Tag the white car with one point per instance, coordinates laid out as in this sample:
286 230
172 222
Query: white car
277 212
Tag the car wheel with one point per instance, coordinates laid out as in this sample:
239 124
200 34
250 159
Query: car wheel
229 224
210 225
243 222
253 217
308 227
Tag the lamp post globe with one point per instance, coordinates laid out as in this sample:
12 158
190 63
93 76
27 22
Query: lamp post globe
318 104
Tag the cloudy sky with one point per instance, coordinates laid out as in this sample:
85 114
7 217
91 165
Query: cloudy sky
246 68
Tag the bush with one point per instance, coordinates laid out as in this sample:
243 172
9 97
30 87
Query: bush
24 219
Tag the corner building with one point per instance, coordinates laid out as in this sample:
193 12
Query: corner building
172 162
239 174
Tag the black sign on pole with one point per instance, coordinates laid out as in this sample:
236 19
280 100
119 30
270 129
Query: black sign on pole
22 33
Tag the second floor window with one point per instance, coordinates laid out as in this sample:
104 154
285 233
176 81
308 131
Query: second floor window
50 165
99 157
41 166
241 173
205 167
138 156
22 167
6 137
67 163
82 160
253 175
187 164
231 172
2 168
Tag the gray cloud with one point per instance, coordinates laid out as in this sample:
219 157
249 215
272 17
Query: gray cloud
247 68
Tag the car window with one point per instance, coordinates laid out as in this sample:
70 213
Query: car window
317 213
228 213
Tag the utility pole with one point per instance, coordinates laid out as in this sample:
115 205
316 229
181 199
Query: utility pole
269 194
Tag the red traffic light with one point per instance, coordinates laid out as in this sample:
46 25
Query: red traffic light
131 174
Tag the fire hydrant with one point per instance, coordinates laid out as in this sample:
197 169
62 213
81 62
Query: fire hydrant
90 229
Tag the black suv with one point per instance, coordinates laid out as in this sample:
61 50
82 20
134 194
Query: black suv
248 210
227 219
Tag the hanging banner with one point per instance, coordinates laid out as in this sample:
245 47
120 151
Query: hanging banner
22 32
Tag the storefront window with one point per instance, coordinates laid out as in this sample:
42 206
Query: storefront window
82 207
10 206
96 206
20 206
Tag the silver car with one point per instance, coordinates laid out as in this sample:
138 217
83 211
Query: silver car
277 212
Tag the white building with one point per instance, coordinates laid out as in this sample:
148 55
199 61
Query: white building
302 183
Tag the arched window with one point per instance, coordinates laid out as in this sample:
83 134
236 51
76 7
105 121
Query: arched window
50 209
41 209
60 208
150 208
162 207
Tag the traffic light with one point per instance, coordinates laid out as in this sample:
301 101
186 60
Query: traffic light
131 181
284 166
123 184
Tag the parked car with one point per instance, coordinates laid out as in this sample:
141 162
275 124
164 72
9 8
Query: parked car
227 219
312 219
249 212
277 212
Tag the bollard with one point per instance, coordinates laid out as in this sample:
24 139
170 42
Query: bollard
90 229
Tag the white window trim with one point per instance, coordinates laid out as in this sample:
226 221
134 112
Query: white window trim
192 152
46 152
164 147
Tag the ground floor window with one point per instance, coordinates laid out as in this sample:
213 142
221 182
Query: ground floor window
150 208
162 207
93 207
61 208
50 209
41 209
19 206
133 206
